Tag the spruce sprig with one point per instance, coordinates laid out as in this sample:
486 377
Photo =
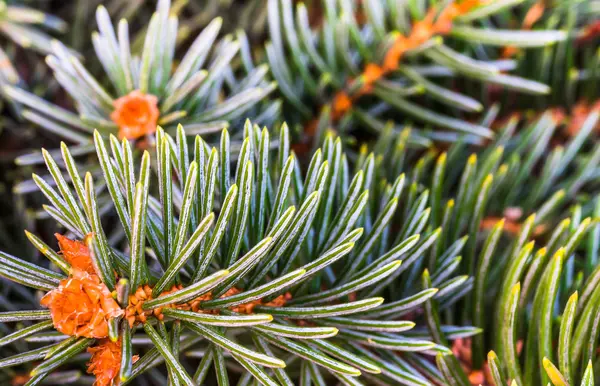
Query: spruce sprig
203 91
295 260
504 224
367 62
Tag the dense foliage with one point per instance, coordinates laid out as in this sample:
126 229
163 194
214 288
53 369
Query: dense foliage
276 192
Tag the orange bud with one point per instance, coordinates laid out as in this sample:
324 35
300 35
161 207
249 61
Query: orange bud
372 73
105 363
76 253
533 15
395 53
579 115
81 305
341 104
136 114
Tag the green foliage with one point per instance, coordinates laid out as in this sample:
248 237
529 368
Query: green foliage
20 25
312 66
349 248
570 67
191 94
262 232
517 176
